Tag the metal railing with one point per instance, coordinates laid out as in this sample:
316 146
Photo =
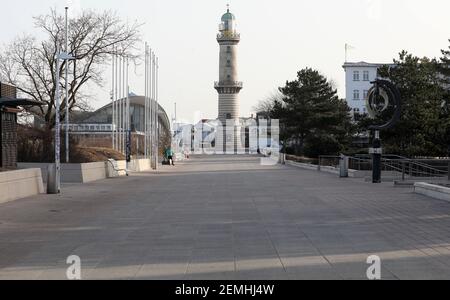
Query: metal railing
411 167
237 84
229 35
328 161
404 168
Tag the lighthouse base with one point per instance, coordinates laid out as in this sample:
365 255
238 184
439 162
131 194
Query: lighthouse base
230 140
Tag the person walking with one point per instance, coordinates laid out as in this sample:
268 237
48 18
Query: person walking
169 155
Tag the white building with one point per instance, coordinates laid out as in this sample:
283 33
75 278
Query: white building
358 78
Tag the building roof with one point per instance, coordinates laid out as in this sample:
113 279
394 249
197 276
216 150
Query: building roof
365 64
12 102
134 100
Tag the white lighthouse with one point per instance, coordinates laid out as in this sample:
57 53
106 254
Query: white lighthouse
228 136
228 85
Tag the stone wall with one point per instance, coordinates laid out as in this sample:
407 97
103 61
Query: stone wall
72 173
20 184
83 173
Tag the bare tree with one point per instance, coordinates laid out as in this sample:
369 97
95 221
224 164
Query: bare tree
266 105
30 64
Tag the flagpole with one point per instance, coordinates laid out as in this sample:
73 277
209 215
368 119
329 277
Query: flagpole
116 104
157 115
346 52
153 107
67 87
112 99
150 109
146 104
124 109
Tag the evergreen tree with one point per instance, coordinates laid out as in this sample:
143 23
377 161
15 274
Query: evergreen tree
423 128
312 116
445 64
445 70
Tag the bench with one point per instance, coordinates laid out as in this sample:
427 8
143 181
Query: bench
116 168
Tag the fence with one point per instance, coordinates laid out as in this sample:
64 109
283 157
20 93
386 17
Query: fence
405 168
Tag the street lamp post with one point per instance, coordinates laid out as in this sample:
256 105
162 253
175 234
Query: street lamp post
55 186
67 89
157 114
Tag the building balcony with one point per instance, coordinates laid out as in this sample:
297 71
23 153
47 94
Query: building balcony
228 84
228 87
228 36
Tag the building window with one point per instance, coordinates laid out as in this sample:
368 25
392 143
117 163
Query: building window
356 110
365 94
356 95
228 63
355 75
366 76
228 49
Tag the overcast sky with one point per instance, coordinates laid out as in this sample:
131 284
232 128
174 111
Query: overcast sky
278 38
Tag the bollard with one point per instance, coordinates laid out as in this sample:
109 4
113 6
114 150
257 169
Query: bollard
343 166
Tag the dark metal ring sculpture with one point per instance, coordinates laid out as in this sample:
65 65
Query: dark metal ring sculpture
391 95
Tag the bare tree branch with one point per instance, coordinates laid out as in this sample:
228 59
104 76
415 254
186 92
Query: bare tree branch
30 64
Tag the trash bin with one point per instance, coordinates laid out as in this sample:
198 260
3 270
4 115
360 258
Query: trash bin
343 166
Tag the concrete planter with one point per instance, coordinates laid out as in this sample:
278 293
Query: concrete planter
72 173
140 165
20 184
88 172
433 191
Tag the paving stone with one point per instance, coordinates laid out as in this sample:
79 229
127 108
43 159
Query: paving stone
226 217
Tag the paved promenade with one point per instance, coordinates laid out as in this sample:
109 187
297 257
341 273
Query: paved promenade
222 217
